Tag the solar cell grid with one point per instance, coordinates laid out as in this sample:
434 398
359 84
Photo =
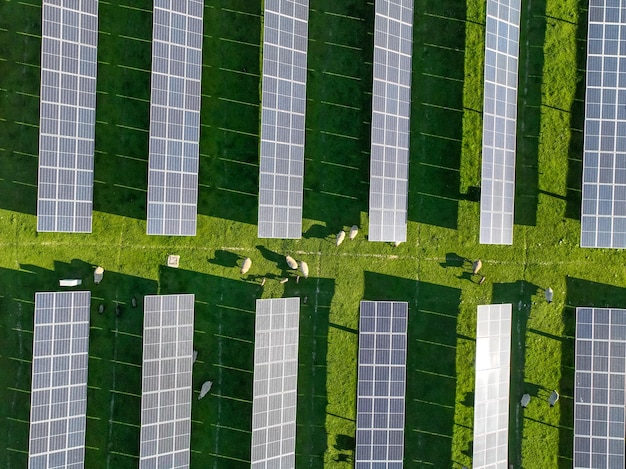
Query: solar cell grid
499 121
275 383
281 172
67 116
59 380
491 400
166 376
391 103
175 117
599 400
603 214
381 385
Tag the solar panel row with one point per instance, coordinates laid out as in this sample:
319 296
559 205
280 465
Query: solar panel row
67 115
499 121
175 117
491 400
281 172
603 214
599 391
59 380
275 383
166 381
381 385
391 106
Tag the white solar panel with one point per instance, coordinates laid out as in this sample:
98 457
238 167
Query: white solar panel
69 40
391 109
499 121
283 105
599 401
275 383
603 214
59 387
382 384
175 117
166 381
491 400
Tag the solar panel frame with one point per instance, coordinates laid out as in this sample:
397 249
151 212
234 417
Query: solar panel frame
499 121
492 385
59 380
603 211
67 116
283 110
174 147
381 384
275 393
391 113
599 388
166 381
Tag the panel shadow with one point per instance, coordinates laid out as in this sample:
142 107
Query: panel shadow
577 121
115 352
437 113
229 135
338 119
520 294
532 38
431 364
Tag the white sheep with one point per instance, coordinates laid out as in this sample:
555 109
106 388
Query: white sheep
553 398
284 280
340 237
291 262
396 243
195 356
304 268
206 387
353 232
549 294
247 263
476 266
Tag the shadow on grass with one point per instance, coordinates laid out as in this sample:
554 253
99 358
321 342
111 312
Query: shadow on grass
115 350
437 113
520 294
577 121
580 293
431 364
532 38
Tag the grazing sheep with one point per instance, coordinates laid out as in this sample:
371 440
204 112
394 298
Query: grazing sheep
97 275
133 302
549 294
101 309
118 310
284 280
291 262
206 387
263 281
553 398
195 356
340 237
396 243
476 266
304 268
247 263
353 232
525 400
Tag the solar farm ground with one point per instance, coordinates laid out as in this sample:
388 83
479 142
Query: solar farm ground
428 271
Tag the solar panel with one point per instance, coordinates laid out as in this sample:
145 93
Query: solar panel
69 38
59 387
175 117
391 108
381 386
499 121
283 104
275 383
599 388
166 377
603 214
491 400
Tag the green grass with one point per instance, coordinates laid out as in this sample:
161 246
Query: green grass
428 271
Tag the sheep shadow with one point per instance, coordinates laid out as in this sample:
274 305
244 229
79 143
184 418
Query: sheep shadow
226 258
316 231
272 256
453 260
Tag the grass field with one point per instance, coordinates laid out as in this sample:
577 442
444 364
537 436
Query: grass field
427 271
